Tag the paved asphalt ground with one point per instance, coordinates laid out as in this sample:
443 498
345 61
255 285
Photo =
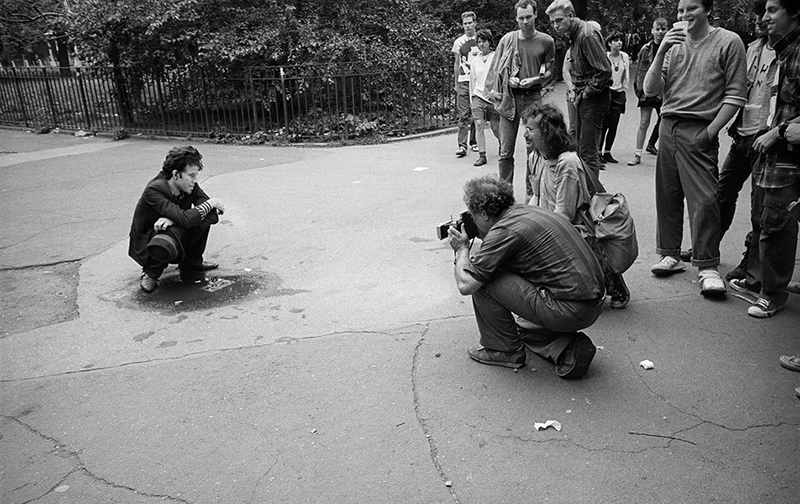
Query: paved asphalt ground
330 365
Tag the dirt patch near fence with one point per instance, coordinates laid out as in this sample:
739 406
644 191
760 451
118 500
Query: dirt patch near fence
38 296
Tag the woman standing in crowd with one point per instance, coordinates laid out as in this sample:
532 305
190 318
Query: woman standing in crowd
482 109
647 103
620 74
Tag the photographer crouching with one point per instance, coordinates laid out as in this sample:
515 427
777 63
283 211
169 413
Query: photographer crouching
532 263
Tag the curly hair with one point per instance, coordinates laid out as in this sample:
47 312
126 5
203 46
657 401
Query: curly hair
485 34
178 158
489 195
555 136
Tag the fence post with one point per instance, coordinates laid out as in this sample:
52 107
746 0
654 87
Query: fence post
284 98
17 77
254 124
205 99
157 79
346 132
50 101
84 104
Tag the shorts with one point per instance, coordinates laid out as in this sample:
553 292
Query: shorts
482 109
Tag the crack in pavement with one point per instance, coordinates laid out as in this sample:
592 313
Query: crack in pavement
286 340
80 466
434 452
701 420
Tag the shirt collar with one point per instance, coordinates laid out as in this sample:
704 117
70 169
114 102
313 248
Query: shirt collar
787 40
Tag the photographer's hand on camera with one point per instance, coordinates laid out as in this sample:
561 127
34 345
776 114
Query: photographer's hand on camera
457 238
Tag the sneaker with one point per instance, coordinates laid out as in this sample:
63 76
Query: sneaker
621 295
764 308
481 161
576 357
740 285
791 362
461 152
797 391
609 158
474 148
497 358
667 266
637 159
651 149
793 287
147 283
710 282
740 271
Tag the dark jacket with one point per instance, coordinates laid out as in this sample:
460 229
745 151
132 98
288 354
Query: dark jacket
158 201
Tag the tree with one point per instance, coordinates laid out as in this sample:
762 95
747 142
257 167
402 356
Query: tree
28 28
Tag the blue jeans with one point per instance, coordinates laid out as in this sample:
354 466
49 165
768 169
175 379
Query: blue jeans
508 134
591 115
686 168
557 320
770 260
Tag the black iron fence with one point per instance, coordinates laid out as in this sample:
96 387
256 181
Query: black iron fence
295 103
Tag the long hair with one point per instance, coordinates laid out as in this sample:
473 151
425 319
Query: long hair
555 138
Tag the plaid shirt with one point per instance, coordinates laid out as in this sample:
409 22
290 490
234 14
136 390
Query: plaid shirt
780 166
591 68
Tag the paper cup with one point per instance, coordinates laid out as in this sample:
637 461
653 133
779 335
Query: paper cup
683 25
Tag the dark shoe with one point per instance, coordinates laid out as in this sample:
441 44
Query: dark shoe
793 287
576 357
764 308
740 285
740 271
686 255
496 358
481 161
791 362
461 152
621 295
206 266
192 276
147 283
651 149
609 158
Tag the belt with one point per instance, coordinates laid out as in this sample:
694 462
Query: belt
525 91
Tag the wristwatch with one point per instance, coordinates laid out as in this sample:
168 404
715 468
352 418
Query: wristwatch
782 130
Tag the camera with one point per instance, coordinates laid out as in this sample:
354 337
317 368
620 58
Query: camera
464 218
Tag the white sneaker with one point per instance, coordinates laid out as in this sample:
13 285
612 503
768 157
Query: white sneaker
667 266
710 282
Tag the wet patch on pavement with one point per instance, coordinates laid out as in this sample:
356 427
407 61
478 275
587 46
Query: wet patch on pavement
218 289
38 296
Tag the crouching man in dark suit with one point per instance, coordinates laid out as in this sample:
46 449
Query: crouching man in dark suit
172 220
532 263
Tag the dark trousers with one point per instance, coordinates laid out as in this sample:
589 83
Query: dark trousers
591 114
466 127
686 167
194 242
735 170
770 259
556 321
509 130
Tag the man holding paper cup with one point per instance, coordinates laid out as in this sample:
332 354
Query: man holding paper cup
701 71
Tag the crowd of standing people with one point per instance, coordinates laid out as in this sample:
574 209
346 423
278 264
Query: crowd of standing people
697 77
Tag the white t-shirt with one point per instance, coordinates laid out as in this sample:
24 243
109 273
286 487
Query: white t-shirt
464 48
479 68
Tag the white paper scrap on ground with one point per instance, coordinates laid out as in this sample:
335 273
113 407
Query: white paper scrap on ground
646 364
421 168
550 423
